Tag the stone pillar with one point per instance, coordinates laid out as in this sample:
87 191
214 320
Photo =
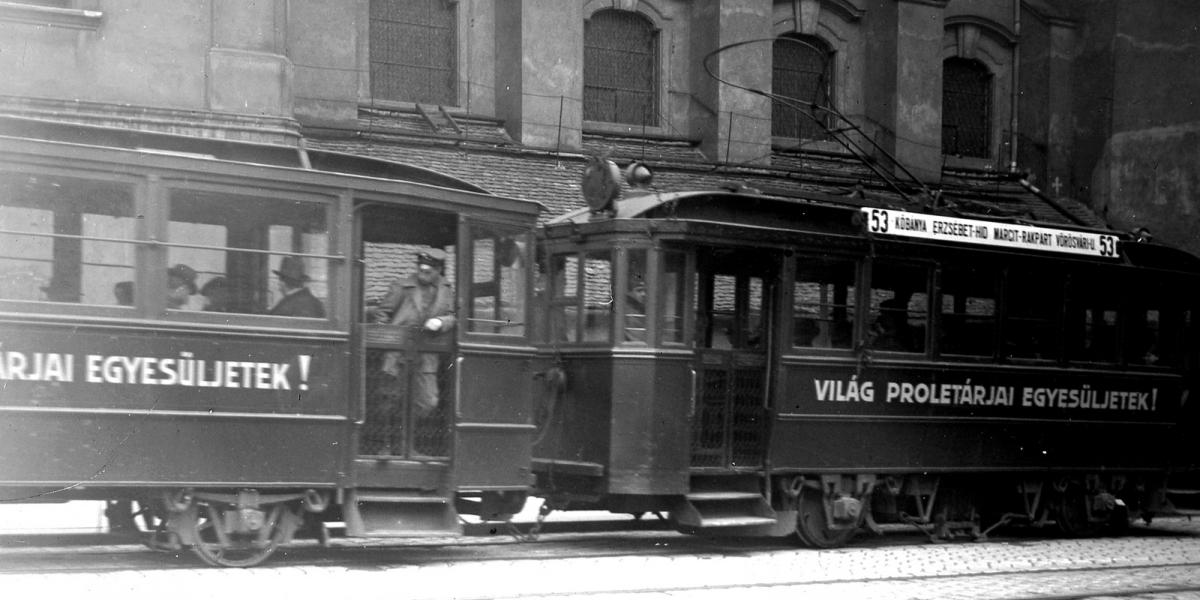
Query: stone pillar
539 72
247 71
1060 134
330 67
904 82
737 125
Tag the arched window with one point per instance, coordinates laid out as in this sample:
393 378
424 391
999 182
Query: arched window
966 108
413 48
620 69
800 69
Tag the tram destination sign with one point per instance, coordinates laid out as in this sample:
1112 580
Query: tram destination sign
988 233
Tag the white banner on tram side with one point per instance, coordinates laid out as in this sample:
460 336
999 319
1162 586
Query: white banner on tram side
988 233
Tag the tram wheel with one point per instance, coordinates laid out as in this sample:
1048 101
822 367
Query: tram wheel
1071 514
218 543
811 526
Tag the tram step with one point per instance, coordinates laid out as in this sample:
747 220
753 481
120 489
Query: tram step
723 522
722 496
398 513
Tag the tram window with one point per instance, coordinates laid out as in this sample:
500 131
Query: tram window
635 326
597 296
899 307
723 314
1092 309
823 304
672 287
968 311
736 319
564 291
249 252
64 240
497 294
581 299
1033 301
1154 325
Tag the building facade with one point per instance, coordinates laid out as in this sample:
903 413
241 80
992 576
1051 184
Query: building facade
1020 104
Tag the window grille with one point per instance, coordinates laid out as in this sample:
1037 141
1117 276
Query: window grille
620 69
413 51
800 70
966 108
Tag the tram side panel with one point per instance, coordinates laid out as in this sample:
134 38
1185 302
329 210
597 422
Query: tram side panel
493 429
651 426
575 421
896 419
92 406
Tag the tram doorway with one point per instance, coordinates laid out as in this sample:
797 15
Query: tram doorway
407 277
735 316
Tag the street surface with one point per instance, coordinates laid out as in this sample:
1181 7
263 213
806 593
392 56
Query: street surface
1161 562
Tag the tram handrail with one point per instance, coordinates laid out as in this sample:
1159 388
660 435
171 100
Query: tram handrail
95 238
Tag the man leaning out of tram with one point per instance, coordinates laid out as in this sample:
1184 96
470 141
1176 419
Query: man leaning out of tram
425 301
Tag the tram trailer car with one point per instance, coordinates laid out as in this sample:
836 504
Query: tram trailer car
762 365
147 357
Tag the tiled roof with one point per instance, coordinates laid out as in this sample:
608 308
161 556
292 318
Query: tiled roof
479 152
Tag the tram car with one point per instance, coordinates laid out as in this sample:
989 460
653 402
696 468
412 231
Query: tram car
225 340
820 365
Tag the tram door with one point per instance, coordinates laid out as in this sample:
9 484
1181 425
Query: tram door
406 262
735 313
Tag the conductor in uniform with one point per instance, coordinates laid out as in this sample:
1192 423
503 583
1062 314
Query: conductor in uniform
425 301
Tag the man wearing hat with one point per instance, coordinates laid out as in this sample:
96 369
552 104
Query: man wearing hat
181 289
297 300
424 300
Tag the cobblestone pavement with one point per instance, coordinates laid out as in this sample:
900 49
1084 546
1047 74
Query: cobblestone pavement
1162 563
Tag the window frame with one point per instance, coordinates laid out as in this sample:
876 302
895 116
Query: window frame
989 108
868 309
659 101
853 298
465 274
829 57
997 315
367 91
159 262
142 242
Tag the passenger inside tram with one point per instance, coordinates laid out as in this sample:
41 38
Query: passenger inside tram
123 293
891 330
217 294
182 293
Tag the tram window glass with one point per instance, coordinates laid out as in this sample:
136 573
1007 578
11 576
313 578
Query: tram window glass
1092 308
823 303
247 247
723 315
1154 325
66 240
736 319
968 311
672 288
497 293
635 326
899 306
1033 303
564 294
597 296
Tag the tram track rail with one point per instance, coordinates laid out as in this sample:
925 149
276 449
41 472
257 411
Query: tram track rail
1151 564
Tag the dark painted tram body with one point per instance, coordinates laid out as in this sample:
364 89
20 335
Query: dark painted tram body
757 392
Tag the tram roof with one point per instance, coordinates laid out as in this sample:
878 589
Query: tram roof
239 153
682 205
